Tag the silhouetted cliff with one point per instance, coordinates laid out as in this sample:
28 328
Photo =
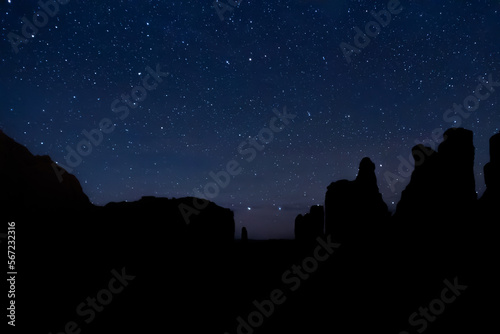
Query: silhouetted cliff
29 182
213 224
352 208
381 262
436 219
30 185
490 200
442 184
311 225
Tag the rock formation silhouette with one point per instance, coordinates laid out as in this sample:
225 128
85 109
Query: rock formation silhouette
311 225
29 182
442 185
178 268
353 208
434 218
212 225
490 200
244 234
30 185
486 246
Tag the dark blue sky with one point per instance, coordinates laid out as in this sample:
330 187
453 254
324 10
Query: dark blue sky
224 80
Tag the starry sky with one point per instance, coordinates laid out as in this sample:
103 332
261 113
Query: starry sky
226 81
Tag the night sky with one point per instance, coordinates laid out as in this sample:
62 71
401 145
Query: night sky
225 78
